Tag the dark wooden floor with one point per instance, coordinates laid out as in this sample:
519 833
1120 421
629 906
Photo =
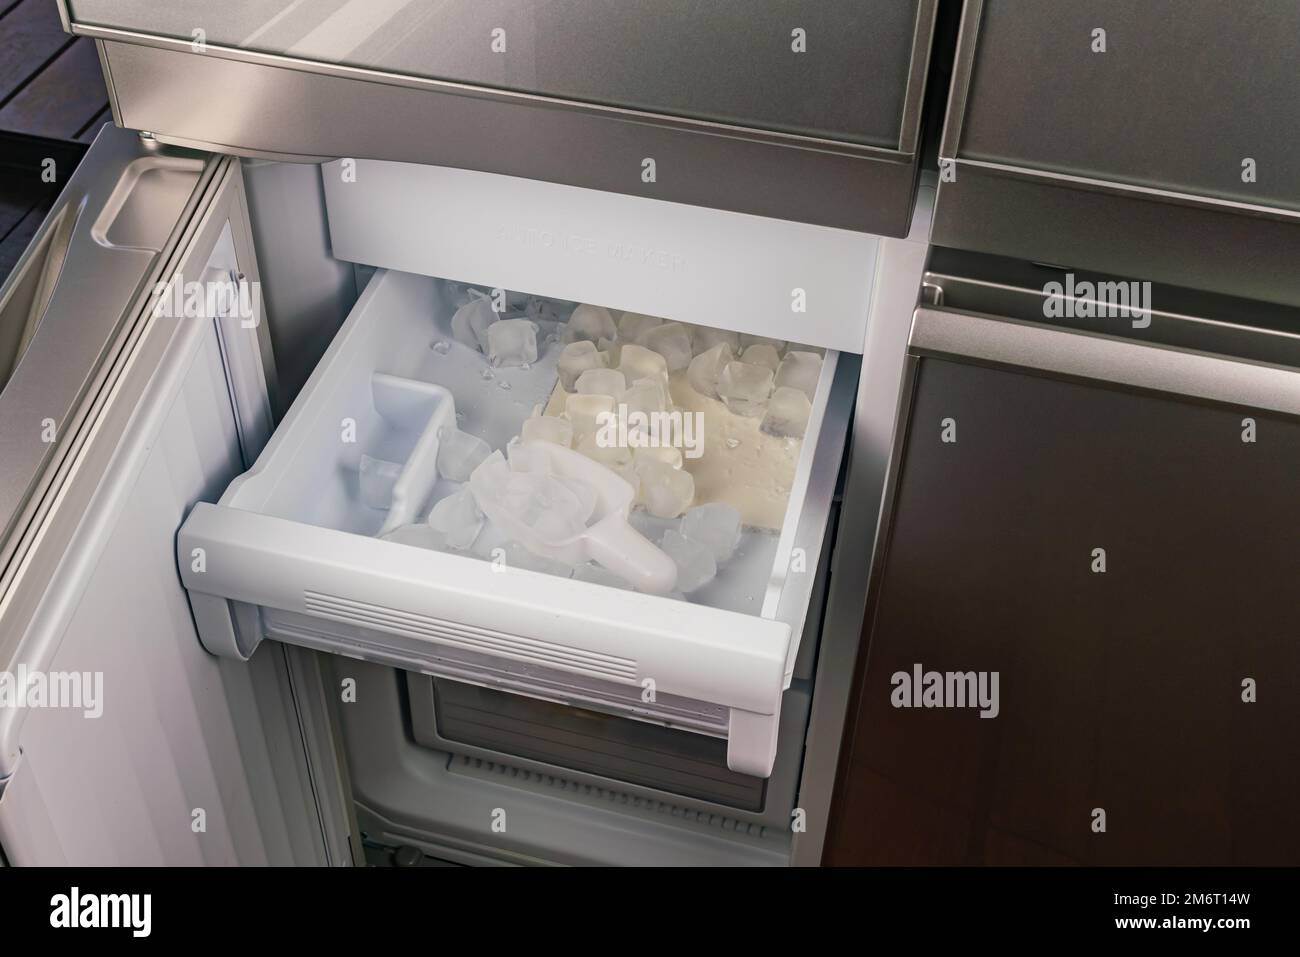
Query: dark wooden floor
52 103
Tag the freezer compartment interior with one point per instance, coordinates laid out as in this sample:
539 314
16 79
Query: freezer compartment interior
294 550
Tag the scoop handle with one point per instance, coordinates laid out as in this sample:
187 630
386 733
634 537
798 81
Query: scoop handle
633 557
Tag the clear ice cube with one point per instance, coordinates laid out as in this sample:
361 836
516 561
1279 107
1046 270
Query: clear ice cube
588 412
575 359
601 382
658 453
512 342
638 362
632 324
590 324
744 387
459 454
800 370
457 518
646 396
672 340
377 478
787 413
695 563
746 341
714 525
705 338
606 450
470 323
762 354
706 368
665 492
548 428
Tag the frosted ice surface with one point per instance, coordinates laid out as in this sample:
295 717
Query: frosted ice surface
672 340
548 428
512 342
516 556
762 354
665 492
585 412
744 387
457 518
469 324
695 563
601 382
377 478
658 453
705 338
714 525
575 359
746 341
787 413
459 454
706 368
590 324
800 370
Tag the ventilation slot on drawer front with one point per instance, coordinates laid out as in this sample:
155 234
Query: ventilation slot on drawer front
486 641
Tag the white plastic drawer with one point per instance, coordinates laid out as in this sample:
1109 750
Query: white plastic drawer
290 552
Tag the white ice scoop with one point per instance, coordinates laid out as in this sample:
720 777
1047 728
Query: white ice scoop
607 538
406 402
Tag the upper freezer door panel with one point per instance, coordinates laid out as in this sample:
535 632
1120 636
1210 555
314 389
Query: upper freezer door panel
809 115
836 70
1152 140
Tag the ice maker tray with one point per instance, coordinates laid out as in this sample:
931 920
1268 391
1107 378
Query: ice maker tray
290 552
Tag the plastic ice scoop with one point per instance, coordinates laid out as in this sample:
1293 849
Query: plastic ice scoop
531 508
406 402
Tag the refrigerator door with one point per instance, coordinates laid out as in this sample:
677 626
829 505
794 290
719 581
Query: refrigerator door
1086 683
811 114
125 742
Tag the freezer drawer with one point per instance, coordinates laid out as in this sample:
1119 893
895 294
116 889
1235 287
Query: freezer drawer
290 551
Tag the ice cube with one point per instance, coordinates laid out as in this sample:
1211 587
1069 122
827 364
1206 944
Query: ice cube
638 362
632 324
548 428
419 536
377 478
658 453
575 359
605 449
745 387
665 492
746 341
470 323
512 342
672 340
706 368
762 354
588 413
601 382
611 351
590 324
459 454
787 413
696 566
646 396
516 556
706 337
457 518
800 370
714 525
